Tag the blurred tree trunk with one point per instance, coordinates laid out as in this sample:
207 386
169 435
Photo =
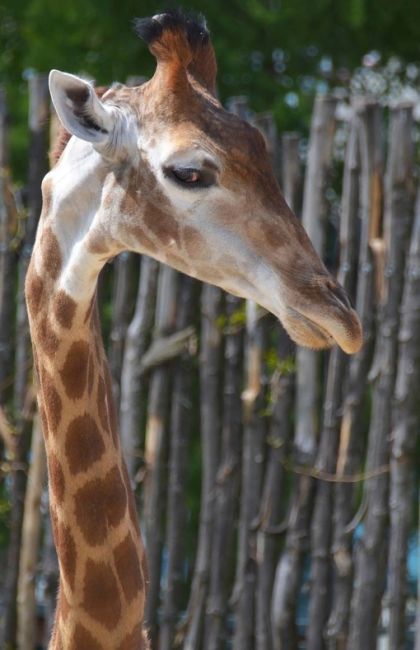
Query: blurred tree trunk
227 484
49 569
123 292
8 229
370 564
210 418
133 382
31 530
314 220
405 426
368 117
285 576
273 501
157 447
253 452
320 596
9 219
38 119
181 424
286 588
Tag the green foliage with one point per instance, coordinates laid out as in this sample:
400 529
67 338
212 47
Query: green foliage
235 321
282 365
4 515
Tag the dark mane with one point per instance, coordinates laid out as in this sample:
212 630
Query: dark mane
192 24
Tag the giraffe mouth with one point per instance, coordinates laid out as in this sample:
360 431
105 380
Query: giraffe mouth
304 331
318 331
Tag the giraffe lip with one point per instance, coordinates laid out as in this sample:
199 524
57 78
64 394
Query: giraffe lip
320 331
302 327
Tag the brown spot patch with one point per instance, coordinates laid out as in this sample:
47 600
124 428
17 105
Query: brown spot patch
64 309
74 371
144 240
195 244
46 194
101 598
34 289
84 445
161 224
83 640
44 420
134 641
57 481
51 255
54 522
63 606
47 337
66 551
98 243
100 503
52 401
128 568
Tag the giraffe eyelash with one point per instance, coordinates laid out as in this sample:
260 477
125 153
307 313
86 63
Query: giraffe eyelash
190 177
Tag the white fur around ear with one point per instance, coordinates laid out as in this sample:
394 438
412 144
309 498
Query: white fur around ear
79 109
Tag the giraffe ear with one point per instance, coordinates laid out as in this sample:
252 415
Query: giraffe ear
79 109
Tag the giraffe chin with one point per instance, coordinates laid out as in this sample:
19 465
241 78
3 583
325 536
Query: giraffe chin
316 335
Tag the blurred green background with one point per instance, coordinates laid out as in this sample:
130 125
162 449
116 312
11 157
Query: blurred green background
279 52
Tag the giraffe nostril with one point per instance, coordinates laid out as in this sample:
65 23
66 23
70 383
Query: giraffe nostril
340 295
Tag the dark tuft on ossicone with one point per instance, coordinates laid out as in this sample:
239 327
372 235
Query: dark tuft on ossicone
193 25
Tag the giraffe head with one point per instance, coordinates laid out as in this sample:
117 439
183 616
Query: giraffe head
163 169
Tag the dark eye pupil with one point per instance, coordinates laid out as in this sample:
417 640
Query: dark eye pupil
187 175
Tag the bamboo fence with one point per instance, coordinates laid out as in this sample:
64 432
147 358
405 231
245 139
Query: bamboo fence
276 487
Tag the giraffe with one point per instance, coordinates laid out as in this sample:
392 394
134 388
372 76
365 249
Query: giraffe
161 169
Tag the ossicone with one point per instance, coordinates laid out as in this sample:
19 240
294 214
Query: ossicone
181 38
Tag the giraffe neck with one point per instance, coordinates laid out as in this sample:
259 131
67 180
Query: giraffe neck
99 547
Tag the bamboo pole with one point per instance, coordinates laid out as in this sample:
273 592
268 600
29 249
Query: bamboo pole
371 553
286 161
38 119
210 419
181 425
351 449
227 484
253 452
31 530
405 426
288 572
314 220
122 311
156 449
4 130
272 507
133 384
290 169
321 528
286 586
50 578
9 219
273 503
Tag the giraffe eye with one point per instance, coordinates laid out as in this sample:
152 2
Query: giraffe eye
186 175
190 177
